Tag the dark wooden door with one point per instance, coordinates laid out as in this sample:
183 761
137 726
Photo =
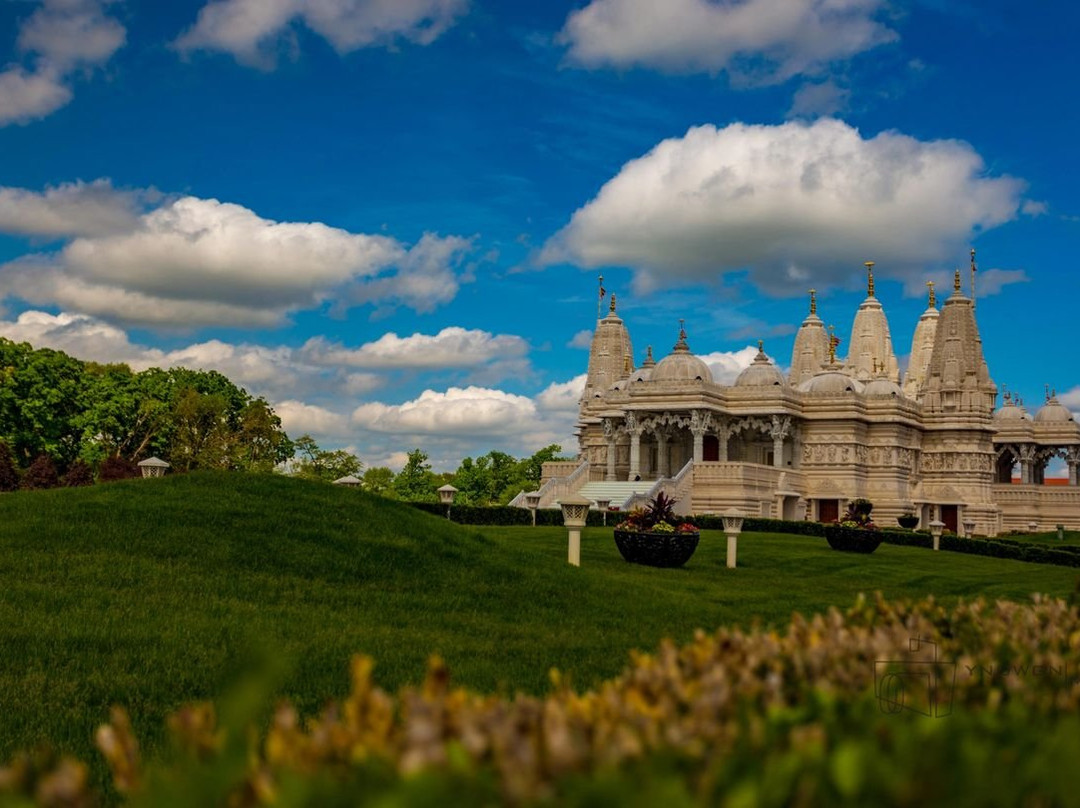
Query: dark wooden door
948 516
711 449
828 510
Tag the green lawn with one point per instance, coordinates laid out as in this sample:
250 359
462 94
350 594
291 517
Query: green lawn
153 593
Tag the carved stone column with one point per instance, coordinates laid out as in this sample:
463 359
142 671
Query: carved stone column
1072 458
699 425
779 431
609 433
634 429
1027 463
722 435
662 469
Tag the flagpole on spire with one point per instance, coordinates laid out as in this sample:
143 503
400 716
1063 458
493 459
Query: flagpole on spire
600 302
972 278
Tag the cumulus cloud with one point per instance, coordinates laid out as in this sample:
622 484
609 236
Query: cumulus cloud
457 411
59 38
26 96
582 339
193 262
563 396
253 30
793 202
727 365
991 281
816 98
451 347
298 418
70 209
755 41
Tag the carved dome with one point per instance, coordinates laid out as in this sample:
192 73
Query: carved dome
831 383
1053 412
762 373
680 365
883 388
644 373
1010 412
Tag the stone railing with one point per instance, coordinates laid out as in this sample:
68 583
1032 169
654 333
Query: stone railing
558 487
680 488
552 469
751 487
1045 505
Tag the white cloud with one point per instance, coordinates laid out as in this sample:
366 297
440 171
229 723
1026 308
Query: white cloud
194 262
1071 399
582 339
28 96
1031 207
790 202
298 418
753 40
69 33
816 98
457 411
253 30
451 347
70 209
727 365
991 281
60 37
564 396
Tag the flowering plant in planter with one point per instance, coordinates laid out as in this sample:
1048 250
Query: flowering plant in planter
856 532
656 536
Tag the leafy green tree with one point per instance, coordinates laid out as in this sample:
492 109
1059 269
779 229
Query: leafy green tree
415 482
125 412
319 464
201 436
378 480
531 467
261 443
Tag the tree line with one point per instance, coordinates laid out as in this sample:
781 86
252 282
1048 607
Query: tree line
68 421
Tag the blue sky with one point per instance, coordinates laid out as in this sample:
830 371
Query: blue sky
389 217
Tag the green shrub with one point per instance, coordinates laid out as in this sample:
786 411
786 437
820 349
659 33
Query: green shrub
9 475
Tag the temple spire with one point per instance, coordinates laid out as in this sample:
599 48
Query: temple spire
612 308
956 281
813 301
932 301
870 278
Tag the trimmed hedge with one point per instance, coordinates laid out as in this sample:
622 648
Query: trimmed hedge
1064 556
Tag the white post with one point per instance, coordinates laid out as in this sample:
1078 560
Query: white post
575 510
935 530
733 519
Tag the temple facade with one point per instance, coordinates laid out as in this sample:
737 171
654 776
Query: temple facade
802 445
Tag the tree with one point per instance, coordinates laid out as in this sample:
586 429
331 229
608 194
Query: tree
415 482
261 443
319 464
201 437
9 474
41 474
378 480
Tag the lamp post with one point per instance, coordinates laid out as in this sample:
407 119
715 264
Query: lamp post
446 497
153 467
935 530
532 502
733 519
575 510
603 504
1032 527
969 528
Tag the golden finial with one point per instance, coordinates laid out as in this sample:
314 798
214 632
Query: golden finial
1047 393
933 297
832 345
612 307
682 328
870 281
648 356
761 346
813 301
956 281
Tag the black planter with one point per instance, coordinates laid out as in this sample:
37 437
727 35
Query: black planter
908 522
852 539
657 549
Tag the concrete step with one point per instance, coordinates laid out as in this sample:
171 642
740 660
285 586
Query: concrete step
615 492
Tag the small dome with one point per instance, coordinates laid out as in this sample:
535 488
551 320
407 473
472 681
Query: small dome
1053 412
680 365
762 373
883 388
1010 412
832 383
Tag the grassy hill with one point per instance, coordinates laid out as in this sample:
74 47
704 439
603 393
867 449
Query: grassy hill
152 593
